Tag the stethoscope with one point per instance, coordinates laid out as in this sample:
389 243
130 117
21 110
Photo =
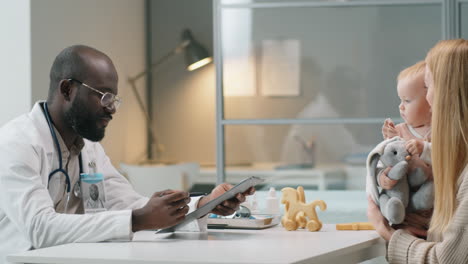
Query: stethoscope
76 188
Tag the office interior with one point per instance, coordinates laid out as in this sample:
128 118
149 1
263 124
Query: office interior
296 93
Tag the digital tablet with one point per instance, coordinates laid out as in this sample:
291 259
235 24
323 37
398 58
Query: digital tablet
207 208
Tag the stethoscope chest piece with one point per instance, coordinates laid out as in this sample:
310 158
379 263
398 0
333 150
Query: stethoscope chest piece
77 189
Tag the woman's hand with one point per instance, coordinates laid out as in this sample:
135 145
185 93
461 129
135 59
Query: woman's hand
417 223
415 231
376 218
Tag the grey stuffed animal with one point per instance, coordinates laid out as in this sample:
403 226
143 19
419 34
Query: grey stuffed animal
395 202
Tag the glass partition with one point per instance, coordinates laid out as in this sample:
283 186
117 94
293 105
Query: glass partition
292 73
289 145
320 157
336 61
323 64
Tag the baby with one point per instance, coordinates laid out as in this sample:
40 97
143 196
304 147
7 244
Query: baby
415 111
416 129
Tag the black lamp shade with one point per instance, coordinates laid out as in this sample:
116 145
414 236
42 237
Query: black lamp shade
196 55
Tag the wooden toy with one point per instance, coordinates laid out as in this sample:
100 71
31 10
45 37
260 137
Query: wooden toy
355 226
298 213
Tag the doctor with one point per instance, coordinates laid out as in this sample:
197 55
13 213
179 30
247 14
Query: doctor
42 154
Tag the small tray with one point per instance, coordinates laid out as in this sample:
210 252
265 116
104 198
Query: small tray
260 222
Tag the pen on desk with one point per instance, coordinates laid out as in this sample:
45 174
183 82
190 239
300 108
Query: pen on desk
193 194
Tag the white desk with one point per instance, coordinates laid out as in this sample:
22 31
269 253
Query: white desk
321 176
274 245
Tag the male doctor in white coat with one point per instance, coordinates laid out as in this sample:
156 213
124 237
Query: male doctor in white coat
40 206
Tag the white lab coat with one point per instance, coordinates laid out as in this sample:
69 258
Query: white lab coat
27 215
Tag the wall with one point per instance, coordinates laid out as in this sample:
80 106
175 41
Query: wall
15 63
116 27
183 101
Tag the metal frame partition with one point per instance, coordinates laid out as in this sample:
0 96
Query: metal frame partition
458 16
450 28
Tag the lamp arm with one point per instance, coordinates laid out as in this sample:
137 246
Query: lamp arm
141 105
152 137
163 59
132 81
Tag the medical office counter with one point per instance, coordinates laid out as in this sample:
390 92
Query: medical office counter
273 245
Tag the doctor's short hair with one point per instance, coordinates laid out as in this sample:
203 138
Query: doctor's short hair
69 63
412 71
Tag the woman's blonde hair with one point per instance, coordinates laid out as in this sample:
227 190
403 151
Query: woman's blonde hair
448 63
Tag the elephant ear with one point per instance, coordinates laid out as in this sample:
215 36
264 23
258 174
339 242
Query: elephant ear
371 180
372 162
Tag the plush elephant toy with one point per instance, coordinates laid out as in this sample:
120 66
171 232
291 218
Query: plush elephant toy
395 202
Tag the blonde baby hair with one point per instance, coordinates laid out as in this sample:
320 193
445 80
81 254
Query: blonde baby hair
448 63
412 71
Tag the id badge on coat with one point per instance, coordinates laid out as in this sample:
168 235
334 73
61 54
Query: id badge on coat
93 192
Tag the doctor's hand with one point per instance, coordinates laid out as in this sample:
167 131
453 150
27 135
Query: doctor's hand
164 209
227 207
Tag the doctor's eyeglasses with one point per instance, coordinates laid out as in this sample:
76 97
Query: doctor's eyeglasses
108 100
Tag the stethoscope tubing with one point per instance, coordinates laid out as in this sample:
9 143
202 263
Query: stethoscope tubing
59 151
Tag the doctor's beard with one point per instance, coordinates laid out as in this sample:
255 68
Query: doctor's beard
83 122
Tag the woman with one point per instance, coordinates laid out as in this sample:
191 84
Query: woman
446 77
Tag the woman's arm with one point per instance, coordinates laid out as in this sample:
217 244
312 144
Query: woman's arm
380 223
452 246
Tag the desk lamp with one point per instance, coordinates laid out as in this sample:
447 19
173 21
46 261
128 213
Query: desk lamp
196 56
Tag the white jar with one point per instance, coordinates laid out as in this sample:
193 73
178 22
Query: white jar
272 202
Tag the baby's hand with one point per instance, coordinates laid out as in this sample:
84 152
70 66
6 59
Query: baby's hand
388 129
415 146
385 182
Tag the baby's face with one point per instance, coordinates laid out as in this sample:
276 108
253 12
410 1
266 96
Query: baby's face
414 108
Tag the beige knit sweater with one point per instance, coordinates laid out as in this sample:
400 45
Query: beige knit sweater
451 247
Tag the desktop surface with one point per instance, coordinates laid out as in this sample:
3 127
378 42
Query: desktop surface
273 245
